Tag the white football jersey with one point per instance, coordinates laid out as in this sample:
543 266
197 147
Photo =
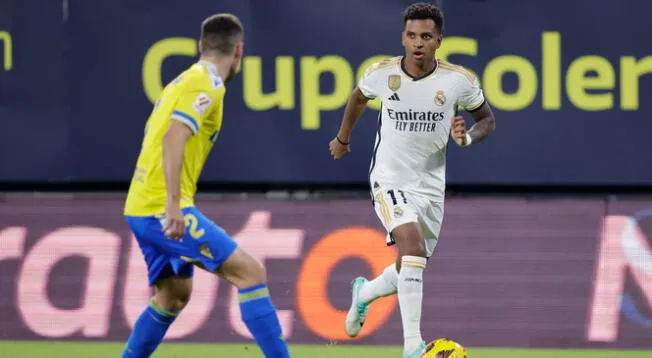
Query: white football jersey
414 123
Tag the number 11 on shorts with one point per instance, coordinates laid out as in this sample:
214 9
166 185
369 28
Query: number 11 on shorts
393 196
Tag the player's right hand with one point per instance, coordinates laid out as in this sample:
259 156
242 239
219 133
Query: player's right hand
175 226
338 149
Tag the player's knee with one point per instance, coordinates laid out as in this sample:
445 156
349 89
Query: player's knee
409 240
256 273
243 270
172 303
418 250
173 293
412 245
413 249
181 301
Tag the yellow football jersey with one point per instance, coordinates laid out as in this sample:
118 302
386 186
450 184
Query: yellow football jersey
194 98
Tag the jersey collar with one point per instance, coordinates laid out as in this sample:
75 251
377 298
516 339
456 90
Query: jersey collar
422 76
210 66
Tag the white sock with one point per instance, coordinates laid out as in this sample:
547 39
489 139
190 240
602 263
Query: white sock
383 285
410 298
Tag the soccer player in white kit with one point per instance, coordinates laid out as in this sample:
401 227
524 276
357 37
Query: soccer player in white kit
420 96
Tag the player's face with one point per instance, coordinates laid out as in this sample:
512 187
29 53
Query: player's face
421 39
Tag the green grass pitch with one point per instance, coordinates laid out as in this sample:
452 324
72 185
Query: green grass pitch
53 349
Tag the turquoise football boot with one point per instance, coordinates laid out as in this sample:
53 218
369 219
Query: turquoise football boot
417 353
358 311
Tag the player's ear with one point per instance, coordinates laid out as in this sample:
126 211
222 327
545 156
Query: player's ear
239 50
199 46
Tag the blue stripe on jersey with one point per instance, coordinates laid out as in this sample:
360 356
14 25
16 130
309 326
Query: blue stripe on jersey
192 121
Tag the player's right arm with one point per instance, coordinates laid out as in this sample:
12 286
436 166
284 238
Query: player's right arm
352 113
174 143
356 105
192 108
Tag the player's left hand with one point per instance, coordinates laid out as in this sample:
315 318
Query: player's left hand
338 149
458 130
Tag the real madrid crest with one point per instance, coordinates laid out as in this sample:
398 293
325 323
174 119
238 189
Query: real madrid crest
440 98
394 82
398 212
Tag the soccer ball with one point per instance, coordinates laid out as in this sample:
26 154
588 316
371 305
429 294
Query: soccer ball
444 348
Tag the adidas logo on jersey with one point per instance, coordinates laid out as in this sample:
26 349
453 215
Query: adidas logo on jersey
394 97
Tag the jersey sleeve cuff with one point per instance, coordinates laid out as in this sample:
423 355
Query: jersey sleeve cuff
366 93
476 107
185 119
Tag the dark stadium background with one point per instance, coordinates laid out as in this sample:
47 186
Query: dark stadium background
545 240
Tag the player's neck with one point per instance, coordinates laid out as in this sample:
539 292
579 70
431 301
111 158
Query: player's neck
417 70
222 65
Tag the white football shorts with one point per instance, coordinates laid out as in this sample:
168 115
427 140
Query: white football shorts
396 207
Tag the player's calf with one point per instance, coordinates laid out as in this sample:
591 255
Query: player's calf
171 296
258 311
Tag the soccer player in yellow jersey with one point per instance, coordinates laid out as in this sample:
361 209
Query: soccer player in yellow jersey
173 235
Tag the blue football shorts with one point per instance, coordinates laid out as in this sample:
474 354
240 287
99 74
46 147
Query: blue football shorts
204 243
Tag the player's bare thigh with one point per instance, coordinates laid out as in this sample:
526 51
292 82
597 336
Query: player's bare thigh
400 213
409 240
173 293
241 270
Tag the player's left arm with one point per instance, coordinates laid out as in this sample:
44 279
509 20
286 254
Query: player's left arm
485 123
473 101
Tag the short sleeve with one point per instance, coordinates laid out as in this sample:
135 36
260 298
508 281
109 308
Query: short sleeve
471 97
369 83
192 108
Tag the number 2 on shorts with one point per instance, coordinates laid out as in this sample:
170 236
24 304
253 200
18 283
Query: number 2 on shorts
192 223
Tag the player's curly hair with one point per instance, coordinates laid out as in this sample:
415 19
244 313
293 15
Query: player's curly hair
423 11
221 33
